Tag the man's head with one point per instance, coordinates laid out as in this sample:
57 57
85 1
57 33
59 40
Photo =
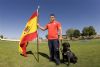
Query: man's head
52 17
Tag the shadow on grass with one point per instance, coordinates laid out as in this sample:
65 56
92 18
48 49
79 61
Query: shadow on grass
40 53
36 56
30 52
44 55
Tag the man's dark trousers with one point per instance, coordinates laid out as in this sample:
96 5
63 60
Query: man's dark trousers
54 50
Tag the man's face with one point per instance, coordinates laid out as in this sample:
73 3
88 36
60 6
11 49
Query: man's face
52 18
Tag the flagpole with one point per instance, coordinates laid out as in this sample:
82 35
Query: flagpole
37 34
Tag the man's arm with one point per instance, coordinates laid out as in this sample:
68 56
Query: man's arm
60 32
42 28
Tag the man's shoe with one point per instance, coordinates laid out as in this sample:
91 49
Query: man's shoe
51 60
57 63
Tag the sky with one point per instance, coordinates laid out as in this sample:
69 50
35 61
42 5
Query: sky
77 14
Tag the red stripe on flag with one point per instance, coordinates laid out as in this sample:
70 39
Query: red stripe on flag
33 15
29 37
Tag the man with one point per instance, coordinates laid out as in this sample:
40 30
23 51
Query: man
54 27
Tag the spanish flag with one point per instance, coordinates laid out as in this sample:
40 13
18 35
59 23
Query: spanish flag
29 33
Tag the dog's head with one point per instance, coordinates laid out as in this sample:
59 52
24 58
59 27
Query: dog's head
66 46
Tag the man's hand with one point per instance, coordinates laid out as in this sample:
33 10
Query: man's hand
38 24
42 28
60 38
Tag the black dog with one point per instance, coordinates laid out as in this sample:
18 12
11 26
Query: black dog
67 54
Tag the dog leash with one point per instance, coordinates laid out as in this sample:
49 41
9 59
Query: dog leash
60 45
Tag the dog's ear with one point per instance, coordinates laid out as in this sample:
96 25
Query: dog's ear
64 44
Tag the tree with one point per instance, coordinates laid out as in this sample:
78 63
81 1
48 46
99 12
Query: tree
1 36
76 33
88 31
85 31
91 31
70 33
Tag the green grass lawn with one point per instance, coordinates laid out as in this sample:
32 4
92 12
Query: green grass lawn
88 52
